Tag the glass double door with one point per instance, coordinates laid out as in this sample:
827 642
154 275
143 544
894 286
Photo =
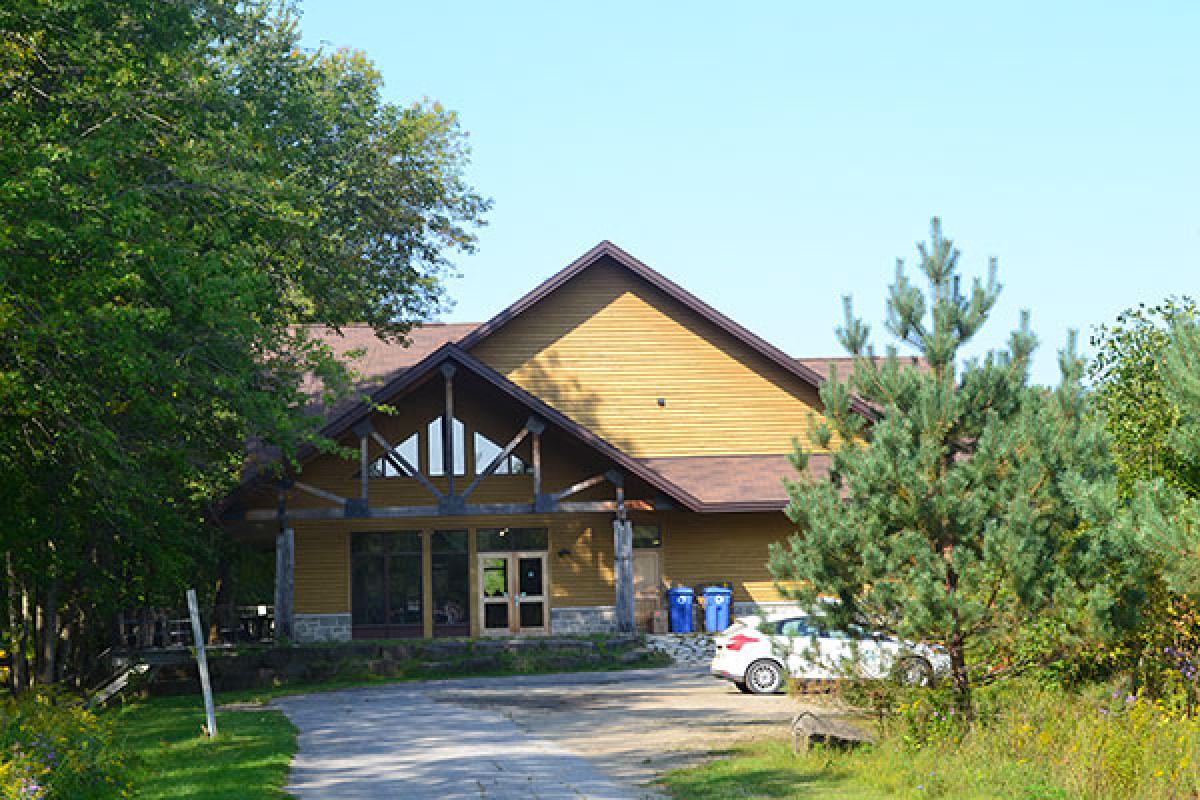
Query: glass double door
512 593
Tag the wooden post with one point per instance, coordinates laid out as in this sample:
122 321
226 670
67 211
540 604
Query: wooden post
448 371
537 466
364 462
427 584
285 569
623 566
202 664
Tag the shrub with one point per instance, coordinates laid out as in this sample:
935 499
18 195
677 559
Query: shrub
53 748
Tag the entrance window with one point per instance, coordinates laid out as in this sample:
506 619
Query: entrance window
437 461
501 539
386 586
451 578
647 536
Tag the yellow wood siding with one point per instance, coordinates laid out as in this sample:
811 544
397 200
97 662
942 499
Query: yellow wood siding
322 579
606 346
697 549
710 548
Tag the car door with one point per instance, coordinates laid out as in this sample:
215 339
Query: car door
832 648
790 643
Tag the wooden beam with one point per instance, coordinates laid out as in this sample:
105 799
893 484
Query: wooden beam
448 371
364 466
588 506
324 495
402 462
496 462
393 512
579 487
537 464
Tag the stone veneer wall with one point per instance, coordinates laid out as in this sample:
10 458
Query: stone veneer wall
322 628
583 619
764 609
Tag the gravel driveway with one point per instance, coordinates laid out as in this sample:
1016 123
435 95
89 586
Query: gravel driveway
582 735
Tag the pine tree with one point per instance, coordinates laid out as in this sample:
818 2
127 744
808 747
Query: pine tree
974 502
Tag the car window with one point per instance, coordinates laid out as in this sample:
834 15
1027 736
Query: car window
794 627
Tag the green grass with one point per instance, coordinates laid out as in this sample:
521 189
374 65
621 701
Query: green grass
1039 745
170 758
768 769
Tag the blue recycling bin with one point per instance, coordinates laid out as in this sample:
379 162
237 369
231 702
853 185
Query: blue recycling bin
717 603
680 600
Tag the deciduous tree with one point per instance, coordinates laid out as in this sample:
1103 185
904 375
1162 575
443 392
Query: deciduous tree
183 189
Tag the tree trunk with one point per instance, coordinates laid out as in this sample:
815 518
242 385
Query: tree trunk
959 676
18 666
49 632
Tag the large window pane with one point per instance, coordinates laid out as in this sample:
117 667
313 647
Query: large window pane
495 577
449 541
451 576
386 585
436 460
495 615
500 539
404 542
529 576
532 615
368 600
404 589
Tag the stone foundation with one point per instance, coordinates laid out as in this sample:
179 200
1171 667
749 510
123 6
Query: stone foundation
322 628
765 609
583 619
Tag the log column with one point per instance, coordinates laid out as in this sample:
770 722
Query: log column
285 576
623 558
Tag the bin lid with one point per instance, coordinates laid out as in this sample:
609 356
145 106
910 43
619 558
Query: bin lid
680 590
717 590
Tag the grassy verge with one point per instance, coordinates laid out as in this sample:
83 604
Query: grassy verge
1039 745
170 758
768 769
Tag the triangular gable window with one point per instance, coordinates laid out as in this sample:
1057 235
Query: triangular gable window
387 467
486 450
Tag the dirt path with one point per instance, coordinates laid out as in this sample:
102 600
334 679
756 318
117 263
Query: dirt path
582 735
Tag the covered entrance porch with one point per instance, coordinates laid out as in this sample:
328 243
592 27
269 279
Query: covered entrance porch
436 530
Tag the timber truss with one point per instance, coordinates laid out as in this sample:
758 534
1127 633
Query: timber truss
453 501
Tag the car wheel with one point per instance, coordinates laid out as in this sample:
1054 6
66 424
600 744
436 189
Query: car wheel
914 671
764 677
742 687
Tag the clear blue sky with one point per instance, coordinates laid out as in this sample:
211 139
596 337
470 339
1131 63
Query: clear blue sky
772 157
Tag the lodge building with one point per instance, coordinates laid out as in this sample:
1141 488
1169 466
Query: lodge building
552 470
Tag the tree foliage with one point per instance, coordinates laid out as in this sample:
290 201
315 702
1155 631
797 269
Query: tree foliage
183 190
1139 408
975 501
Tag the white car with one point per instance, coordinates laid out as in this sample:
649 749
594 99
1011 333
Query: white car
758 653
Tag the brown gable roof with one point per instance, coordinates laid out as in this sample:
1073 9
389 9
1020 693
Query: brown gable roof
845 364
607 249
734 483
381 360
